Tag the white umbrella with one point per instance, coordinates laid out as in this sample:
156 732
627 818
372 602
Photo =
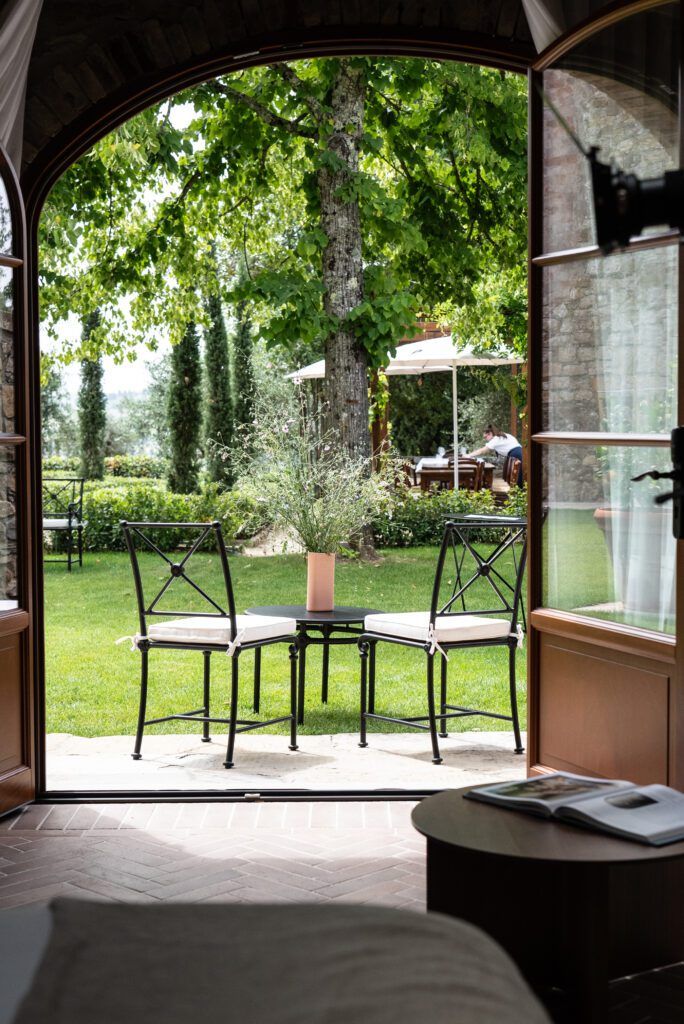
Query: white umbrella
435 355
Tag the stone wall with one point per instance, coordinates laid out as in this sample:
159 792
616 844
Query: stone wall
8 520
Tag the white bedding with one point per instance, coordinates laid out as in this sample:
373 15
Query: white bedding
24 932
286 964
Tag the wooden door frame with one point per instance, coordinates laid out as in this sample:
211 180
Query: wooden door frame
18 785
297 42
583 634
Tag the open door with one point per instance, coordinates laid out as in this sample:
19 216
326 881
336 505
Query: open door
17 771
606 579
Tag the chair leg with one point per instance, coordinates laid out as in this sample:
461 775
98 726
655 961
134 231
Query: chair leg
70 545
232 725
519 749
293 696
257 680
436 759
363 651
136 755
80 547
371 677
206 738
443 698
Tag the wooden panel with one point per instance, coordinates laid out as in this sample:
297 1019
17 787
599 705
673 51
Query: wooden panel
601 714
12 706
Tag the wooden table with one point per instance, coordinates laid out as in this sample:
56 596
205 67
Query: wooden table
573 908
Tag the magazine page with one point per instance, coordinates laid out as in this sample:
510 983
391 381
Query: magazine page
545 793
651 814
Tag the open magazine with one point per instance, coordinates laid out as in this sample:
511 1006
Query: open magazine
648 814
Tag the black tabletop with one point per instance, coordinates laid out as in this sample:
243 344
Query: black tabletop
342 615
485 828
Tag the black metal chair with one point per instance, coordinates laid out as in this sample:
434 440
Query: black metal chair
63 514
213 631
459 617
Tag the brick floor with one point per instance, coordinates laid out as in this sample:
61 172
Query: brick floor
232 852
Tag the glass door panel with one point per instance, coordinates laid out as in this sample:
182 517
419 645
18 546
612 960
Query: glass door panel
607 550
610 338
618 90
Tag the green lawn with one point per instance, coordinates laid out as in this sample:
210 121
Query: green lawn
93 685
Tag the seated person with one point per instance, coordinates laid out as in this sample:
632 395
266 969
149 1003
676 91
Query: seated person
503 444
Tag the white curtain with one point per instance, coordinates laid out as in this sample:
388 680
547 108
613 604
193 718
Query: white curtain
18 23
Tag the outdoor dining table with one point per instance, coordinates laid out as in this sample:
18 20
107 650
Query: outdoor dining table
347 621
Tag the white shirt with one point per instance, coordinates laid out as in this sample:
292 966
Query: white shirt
502 444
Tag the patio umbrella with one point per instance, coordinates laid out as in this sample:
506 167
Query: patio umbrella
435 355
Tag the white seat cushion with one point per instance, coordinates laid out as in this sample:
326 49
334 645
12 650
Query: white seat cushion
203 629
57 524
448 629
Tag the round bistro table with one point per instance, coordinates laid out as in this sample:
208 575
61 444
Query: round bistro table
346 621
573 908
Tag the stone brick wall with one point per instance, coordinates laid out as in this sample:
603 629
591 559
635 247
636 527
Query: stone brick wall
8 521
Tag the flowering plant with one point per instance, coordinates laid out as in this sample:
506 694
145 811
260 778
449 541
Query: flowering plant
302 479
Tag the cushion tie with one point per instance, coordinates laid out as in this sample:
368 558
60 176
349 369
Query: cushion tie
434 646
520 636
234 644
134 640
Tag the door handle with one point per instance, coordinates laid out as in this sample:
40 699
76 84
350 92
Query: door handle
676 474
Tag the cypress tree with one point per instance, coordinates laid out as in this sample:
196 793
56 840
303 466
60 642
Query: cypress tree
218 425
243 369
92 410
185 413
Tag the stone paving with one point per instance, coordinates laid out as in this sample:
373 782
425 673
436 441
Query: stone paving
262 761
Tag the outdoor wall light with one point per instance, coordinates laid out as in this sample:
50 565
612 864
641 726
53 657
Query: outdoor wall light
625 206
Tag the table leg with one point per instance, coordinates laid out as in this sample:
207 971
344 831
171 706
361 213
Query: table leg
302 677
326 665
257 679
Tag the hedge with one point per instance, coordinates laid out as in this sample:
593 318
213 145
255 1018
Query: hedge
417 517
105 507
132 466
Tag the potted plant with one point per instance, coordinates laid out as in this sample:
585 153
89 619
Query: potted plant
305 482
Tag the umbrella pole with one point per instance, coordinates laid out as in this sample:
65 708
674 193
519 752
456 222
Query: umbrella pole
454 396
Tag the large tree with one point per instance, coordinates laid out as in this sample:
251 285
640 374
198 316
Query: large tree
358 193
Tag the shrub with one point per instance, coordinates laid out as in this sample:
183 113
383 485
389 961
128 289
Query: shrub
145 466
417 517
105 506
61 465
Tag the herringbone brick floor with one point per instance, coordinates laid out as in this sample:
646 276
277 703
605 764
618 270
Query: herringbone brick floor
214 852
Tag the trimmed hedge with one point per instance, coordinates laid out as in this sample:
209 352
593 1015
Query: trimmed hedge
105 507
417 517
142 466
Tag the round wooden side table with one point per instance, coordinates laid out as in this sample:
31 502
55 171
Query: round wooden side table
574 908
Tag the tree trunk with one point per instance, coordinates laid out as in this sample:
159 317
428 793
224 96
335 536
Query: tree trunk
345 359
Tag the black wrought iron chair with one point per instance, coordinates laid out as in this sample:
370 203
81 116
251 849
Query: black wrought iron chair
63 514
468 581
218 630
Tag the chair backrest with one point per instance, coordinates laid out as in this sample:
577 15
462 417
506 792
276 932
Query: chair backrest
197 536
63 496
480 568
512 470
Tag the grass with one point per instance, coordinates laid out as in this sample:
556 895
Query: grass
93 685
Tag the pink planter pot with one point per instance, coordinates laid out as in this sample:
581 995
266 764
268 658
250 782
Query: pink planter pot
320 582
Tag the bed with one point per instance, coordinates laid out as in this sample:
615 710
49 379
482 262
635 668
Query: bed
81 962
